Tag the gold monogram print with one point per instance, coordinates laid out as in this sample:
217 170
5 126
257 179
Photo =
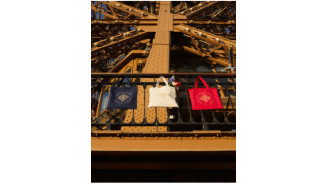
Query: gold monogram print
204 98
123 97
162 95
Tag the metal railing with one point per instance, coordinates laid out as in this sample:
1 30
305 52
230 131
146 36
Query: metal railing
178 119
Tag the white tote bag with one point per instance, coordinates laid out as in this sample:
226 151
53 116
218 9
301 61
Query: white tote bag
162 97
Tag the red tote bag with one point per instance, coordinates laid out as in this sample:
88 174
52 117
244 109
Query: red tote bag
204 98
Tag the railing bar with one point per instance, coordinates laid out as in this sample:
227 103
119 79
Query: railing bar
150 75
144 119
156 120
189 107
128 124
178 99
228 103
117 80
214 118
132 120
232 104
182 85
109 122
183 88
203 121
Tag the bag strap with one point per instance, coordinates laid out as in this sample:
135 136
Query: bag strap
161 77
121 82
196 83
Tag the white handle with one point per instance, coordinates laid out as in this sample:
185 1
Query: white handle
161 77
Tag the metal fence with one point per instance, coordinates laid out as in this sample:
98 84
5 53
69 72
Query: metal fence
178 119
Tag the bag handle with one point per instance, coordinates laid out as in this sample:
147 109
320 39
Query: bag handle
196 83
161 77
121 82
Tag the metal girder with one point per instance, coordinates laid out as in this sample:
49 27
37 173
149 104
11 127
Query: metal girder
126 21
132 54
113 53
115 38
139 35
196 45
220 61
154 22
159 53
219 12
205 22
94 8
110 7
131 10
102 75
202 8
163 143
203 35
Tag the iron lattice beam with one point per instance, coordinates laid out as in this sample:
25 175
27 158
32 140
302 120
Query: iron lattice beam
102 11
130 10
154 22
220 61
120 41
202 9
203 35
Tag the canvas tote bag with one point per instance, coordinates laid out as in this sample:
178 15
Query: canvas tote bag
204 98
162 97
124 97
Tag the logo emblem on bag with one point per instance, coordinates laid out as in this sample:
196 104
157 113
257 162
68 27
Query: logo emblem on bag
162 95
123 97
205 98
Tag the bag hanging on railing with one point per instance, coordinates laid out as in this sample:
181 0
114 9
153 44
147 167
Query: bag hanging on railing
204 98
162 97
124 97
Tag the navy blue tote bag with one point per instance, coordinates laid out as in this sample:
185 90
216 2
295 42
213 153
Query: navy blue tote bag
124 97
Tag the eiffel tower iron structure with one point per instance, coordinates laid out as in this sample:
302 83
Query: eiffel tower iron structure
145 39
